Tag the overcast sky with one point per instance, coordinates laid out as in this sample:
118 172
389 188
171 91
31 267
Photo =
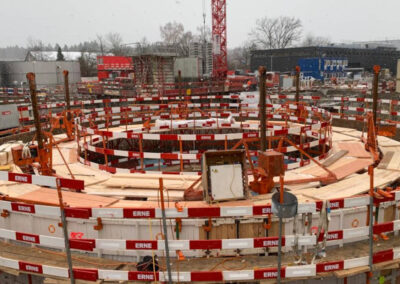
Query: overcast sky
73 21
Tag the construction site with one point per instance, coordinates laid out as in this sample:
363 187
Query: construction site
144 175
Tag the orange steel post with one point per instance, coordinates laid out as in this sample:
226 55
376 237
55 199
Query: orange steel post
105 154
43 152
377 69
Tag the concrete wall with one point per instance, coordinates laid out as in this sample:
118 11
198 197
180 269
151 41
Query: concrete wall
190 67
47 73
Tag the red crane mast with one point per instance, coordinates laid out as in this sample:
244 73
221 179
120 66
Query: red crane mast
220 54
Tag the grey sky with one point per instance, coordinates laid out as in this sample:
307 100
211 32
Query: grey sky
72 21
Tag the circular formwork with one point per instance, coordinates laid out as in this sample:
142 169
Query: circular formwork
174 136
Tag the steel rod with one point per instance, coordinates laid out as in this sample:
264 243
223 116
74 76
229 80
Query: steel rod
65 231
280 230
371 214
262 88
164 220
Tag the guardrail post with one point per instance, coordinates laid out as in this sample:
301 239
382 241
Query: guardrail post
164 220
65 231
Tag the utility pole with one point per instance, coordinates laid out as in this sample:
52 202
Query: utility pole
262 71
377 68
164 221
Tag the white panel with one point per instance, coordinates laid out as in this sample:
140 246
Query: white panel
183 276
289 241
226 182
5 205
355 262
52 241
306 208
307 240
236 211
55 271
172 213
113 275
397 195
47 210
44 181
174 244
237 243
4 175
111 244
354 233
300 271
7 234
356 201
396 225
238 275
6 262
396 253
105 212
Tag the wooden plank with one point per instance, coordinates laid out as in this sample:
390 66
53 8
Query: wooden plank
73 199
356 149
386 160
332 159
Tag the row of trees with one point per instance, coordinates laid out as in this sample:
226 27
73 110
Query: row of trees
268 33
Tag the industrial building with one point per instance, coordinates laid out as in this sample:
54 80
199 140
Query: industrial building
285 59
48 73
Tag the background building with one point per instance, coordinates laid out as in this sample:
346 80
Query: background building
323 67
285 60
48 73
203 51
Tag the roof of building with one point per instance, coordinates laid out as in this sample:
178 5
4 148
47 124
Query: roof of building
52 55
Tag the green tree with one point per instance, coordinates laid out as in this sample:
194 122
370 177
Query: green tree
60 55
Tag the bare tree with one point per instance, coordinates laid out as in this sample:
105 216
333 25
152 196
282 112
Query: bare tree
174 34
114 40
276 32
311 40
239 57
101 43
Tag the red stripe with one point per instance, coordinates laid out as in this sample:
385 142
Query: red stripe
142 276
72 184
22 207
29 238
23 178
268 273
169 156
262 209
267 242
86 244
336 203
204 212
330 266
173 137
80 213
30 267
205 244
206 276
141 245
204 137
86 274
383 227
382 256
139 213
